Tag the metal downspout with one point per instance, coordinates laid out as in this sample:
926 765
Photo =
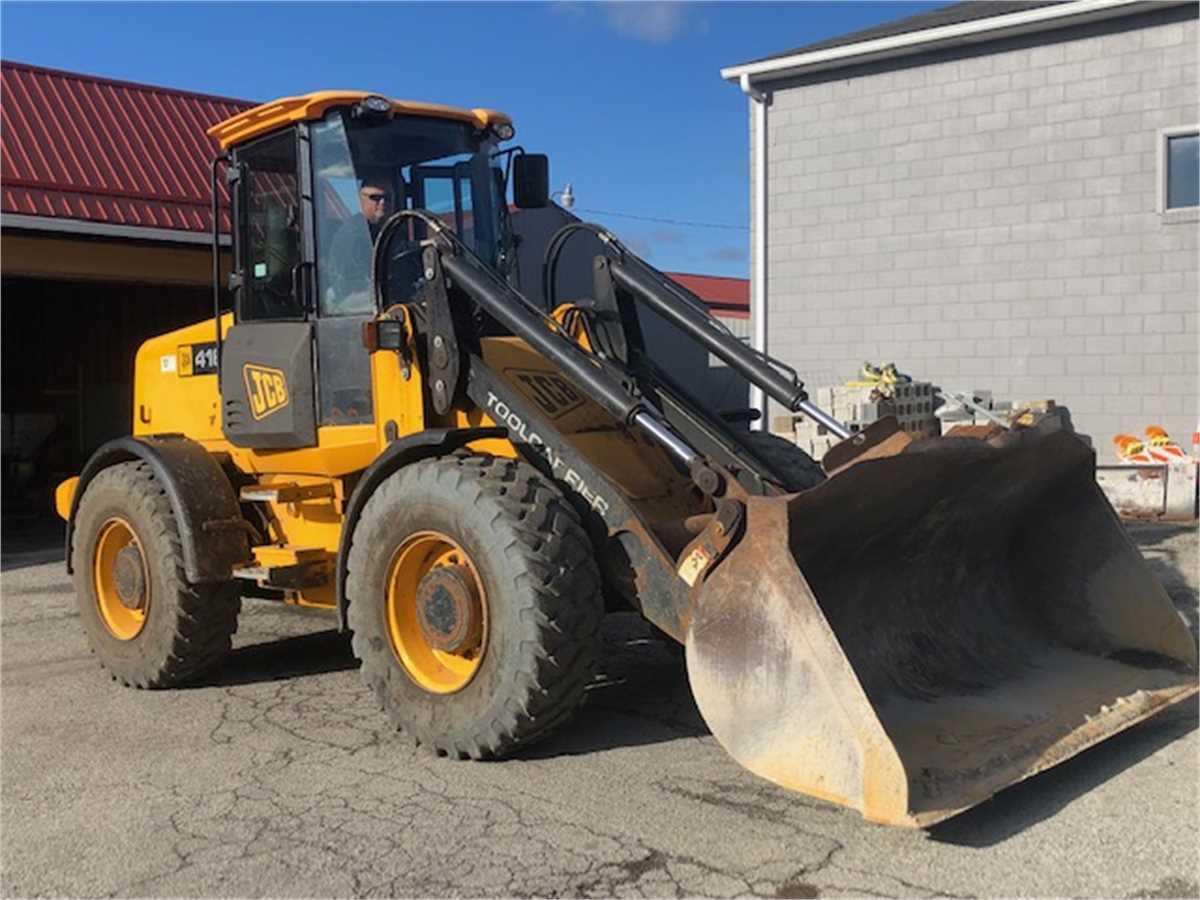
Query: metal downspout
759 100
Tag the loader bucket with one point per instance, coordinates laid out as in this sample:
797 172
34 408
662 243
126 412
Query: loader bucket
921 631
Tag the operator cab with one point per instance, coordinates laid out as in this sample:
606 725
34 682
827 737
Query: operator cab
312 179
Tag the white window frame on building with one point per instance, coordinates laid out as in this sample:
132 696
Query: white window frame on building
1173 213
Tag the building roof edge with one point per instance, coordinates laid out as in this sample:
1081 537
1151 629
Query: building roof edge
1041 18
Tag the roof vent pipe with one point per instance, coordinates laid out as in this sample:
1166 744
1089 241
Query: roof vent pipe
759 101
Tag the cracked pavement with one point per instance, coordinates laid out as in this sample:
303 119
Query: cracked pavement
278 777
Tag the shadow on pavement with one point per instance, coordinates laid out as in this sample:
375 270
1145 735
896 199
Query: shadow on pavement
306 654
1018 807
1164 546
640 696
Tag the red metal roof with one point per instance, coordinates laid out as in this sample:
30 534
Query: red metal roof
724 296
81 147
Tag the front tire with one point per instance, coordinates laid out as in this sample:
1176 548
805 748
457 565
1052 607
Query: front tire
149 627
797 469
474 598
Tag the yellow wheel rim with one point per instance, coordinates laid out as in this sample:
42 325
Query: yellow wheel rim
122 580
436 620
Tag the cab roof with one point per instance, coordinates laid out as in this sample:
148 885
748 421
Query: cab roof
286 110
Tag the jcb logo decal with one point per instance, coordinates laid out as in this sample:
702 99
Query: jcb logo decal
553 393
266 389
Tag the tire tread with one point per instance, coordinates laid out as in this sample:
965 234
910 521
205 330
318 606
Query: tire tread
798 470
555 566
205 616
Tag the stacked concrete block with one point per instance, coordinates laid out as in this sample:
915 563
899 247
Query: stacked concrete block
911 404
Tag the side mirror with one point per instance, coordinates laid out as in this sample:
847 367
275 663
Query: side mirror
531 180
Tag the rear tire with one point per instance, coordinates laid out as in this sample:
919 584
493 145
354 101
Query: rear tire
165 631
509 532
797 469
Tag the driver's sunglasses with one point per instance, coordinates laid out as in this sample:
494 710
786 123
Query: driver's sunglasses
377 198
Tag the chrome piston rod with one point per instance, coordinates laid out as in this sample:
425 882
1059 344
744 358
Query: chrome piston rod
670 441
823 418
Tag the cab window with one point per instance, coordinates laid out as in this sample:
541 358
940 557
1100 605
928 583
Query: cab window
445 191
344 244
270 224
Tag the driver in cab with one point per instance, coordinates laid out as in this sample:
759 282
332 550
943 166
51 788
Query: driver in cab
353 247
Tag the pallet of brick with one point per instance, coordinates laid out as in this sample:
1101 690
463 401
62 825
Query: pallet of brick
859 404
856 406
910 402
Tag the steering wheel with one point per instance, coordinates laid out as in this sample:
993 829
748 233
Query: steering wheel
407 250
405 259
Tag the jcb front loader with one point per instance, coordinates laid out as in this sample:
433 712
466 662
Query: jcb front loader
383 426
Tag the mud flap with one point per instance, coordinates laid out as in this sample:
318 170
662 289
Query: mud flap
921 631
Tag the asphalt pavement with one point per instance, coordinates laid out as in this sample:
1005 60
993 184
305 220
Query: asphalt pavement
278 777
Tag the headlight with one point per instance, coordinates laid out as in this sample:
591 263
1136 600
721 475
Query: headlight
376 104
504 131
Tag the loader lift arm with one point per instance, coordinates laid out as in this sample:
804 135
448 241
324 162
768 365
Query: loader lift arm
627 383
636 392
516 314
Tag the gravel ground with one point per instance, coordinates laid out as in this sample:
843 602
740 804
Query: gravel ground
277 778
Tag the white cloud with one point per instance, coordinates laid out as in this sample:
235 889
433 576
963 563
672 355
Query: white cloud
655 21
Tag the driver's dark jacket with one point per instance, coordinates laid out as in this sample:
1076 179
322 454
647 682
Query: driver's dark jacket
350 255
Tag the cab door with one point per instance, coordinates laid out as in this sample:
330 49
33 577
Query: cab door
267 382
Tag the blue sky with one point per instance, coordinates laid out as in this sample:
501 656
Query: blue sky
626 98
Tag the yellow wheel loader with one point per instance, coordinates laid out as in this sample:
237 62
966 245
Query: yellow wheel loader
385 427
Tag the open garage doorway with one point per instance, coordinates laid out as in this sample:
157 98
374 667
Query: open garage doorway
69 350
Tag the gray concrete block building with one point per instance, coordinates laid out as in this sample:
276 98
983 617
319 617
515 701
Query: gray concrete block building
992 195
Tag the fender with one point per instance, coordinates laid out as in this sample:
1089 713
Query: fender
399 453
211 526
